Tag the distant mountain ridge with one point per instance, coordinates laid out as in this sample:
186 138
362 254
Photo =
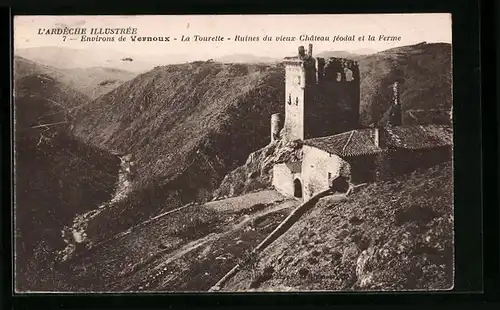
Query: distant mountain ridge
246 58
92 81
339 54
70 58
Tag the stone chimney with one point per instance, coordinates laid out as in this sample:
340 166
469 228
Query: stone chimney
302 52
310 50
395 114
395 95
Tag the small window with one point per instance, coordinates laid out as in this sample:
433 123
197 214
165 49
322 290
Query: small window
329 175
298 79
289 99
296 100
349 76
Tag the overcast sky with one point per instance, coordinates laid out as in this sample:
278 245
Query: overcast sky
412 28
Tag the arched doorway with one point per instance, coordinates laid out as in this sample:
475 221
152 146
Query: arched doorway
297 188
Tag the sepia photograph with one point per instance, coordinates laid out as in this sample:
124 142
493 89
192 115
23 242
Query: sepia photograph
233 153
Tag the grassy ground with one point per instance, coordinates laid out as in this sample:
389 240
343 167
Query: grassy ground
395 235
183 251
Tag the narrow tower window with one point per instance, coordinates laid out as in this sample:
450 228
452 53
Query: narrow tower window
289 98
296 100
349 76
298 79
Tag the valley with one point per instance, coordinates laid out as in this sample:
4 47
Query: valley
195 203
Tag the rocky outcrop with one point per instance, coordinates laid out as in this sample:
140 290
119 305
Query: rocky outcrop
256 173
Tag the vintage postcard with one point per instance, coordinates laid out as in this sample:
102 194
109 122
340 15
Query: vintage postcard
224 153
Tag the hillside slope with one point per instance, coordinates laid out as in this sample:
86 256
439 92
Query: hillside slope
189 125
24 67
96 81
186 120
45 87
184 250
56 176
93 81
186 126
393 235
426 90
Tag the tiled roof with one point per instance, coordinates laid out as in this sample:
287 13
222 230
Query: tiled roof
294 166
419 136
361 141
351 143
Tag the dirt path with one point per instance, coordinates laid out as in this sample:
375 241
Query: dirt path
131 229
188 248
214 236
159 270
241 202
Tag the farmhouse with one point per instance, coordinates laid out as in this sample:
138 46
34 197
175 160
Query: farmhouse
322 110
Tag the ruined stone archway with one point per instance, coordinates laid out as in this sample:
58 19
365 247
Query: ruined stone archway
297 188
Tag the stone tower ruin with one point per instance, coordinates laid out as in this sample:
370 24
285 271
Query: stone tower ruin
322 95
395 117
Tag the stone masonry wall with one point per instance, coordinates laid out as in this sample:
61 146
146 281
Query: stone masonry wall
318 168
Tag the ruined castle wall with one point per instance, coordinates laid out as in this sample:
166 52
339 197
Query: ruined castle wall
333 99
